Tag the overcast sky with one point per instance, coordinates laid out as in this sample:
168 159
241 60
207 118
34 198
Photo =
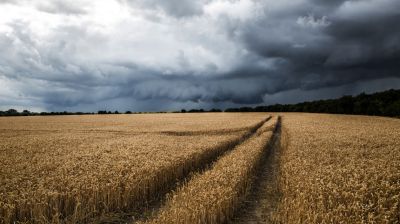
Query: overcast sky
150 55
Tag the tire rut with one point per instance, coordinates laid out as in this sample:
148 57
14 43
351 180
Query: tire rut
264 194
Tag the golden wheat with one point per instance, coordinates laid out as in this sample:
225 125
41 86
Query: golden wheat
340 169
128 124
213 196
333 168
75 173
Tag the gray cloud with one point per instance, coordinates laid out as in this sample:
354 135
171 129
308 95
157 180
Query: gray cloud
163 55
331 50
9 2
176 8
61 6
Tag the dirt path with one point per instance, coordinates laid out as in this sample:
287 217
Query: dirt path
264 194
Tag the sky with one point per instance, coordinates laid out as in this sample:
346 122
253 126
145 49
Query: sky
164 55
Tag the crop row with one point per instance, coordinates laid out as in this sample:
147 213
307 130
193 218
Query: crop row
214 195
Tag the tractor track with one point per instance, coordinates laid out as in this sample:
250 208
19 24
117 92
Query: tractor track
264 194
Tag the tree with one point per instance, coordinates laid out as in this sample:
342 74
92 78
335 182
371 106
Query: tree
215 110
12 112
393 109
26 112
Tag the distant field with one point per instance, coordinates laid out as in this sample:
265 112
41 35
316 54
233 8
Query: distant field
200 168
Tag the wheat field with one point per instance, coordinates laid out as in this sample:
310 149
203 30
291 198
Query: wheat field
339 169
72 173
199 168
213 196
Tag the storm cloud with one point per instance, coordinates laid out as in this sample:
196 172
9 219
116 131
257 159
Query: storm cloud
166 55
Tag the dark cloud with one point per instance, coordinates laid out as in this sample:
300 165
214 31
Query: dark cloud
201 54
331 50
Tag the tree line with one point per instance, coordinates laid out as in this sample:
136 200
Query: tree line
14 112
386 103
